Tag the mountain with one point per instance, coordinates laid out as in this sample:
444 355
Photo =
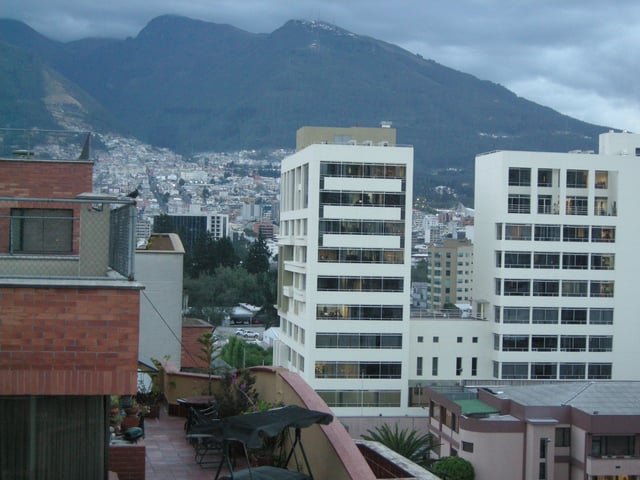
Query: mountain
192 85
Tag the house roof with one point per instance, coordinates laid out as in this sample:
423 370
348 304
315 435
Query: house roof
603 398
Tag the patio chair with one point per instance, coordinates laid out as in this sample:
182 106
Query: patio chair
204 432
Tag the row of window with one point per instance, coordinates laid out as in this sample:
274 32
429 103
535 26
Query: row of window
361 398
553 315
435 363
554 288
360 284
550 343
574 205
552 371
361 227
371 199
521 177
362 170
555 233
358 370
326 311
359 340
361 255
556 260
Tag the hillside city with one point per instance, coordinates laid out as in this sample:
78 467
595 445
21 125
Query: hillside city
519 334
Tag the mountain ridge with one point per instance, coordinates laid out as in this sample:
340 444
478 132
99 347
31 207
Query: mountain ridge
192 85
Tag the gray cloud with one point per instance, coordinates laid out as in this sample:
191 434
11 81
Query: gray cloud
576 56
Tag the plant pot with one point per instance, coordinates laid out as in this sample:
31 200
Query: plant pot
132 411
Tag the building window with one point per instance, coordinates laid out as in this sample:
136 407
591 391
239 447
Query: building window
543 371
573 343
600 343
601 289
515 343
544 204
545 176
474 339
420 339
517 287
546 260
517 259
516 315
577 178
458 366
601 316
575 261
603 261
572 371
544 343
577 205
546 288
544 315
333 369
574 316
474 366
547 233
514 370
603 234
574 288
563 437
599 371
436 339
519 203
359 398
519 177
517 231
419 366
36 230
498 231
459 340
542 469
434 366
575 233
613 445
467 446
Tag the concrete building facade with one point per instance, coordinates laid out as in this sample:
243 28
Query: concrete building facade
556 261
344 267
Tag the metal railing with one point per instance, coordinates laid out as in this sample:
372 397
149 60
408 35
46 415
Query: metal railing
89 237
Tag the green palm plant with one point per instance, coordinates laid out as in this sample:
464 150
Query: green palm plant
410 444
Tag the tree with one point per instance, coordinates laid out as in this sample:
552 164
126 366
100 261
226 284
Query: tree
453 468
409 444
207 351
257 260
240 354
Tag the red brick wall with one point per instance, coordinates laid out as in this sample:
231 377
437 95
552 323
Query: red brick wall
191 353
50 179
38 179
127 461
68 341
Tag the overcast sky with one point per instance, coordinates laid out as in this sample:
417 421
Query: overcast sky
579 57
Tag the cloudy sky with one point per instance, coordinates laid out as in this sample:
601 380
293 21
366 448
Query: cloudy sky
579 57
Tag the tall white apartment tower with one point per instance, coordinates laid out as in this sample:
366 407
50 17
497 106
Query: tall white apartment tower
345 267
556 261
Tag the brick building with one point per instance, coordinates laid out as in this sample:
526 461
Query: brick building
69 317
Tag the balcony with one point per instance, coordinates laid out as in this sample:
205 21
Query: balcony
91 236
612 466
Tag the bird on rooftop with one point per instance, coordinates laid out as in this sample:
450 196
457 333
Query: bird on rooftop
133 194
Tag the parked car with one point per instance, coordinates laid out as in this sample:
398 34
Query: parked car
241 332
250 334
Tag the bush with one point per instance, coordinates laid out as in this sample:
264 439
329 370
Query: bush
454 468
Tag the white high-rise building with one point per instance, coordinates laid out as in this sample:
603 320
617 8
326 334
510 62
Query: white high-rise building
556 261
345 267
